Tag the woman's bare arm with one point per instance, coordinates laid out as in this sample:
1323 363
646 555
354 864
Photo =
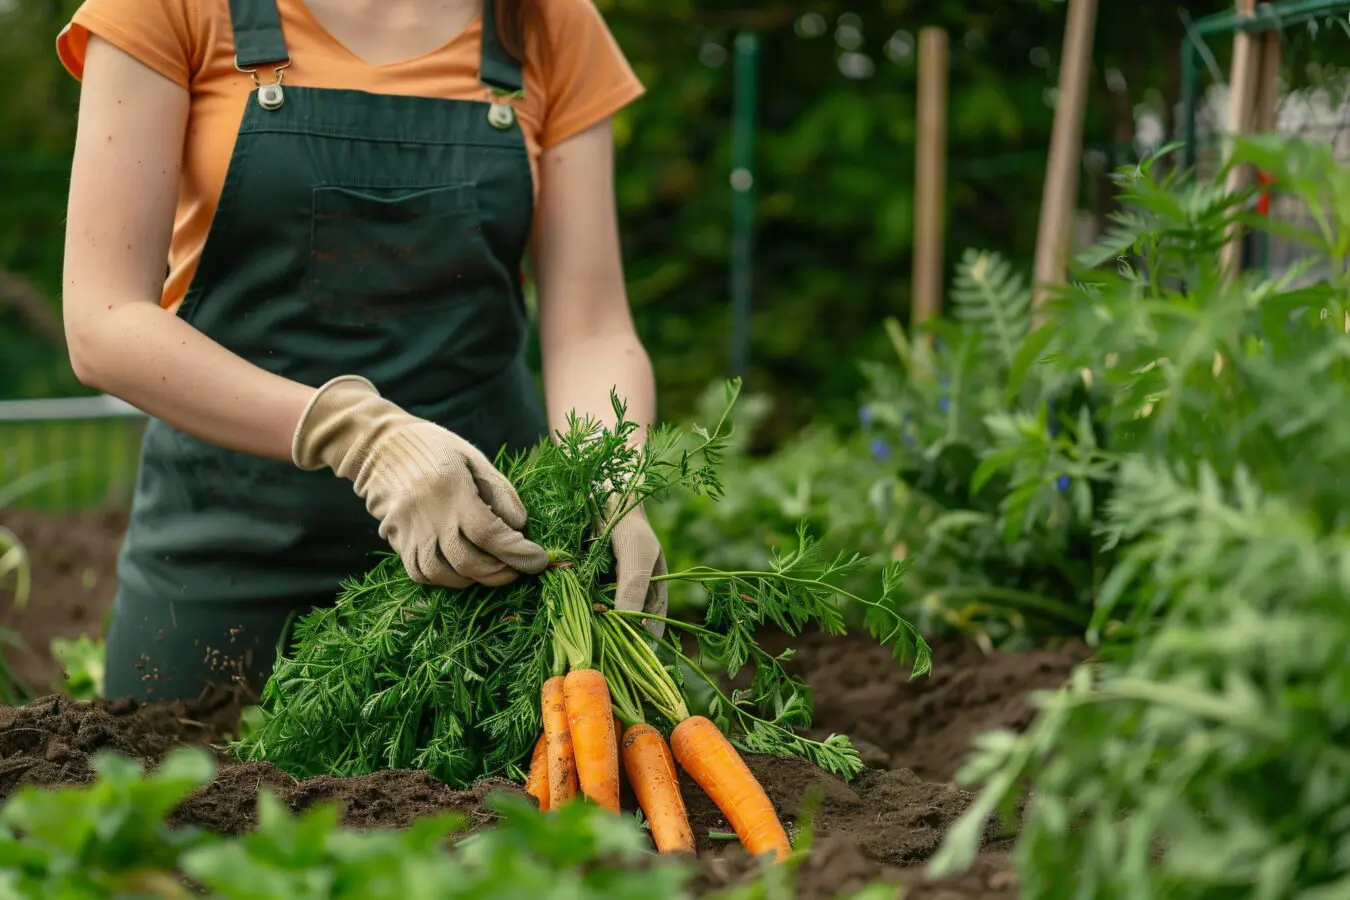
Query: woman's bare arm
588 342
123 192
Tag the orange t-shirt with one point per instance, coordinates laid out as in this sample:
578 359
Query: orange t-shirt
575 80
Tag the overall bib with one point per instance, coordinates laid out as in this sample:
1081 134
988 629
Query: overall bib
357 233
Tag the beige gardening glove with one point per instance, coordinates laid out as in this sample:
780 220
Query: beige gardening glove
638 557
448 513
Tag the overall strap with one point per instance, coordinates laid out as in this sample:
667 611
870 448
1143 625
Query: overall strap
257 33
499 69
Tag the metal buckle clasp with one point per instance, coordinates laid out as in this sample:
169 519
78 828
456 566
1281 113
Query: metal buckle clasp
501 115
270 95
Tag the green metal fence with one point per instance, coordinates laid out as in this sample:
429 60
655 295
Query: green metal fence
1311 47
76 453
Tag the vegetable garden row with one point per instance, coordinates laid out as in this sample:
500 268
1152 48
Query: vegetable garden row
1126 505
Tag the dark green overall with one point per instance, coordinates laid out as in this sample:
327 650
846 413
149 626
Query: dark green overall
357 233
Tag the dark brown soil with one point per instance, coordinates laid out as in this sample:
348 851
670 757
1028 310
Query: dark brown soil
883 825
74 563
52 741
924 724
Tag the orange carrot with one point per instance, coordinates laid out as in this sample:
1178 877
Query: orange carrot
651 772
536 783
562 765
590 718
705 753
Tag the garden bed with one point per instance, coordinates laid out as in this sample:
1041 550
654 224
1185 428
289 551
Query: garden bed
886 823
74 563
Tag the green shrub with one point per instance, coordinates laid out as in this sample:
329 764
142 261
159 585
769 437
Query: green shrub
999 544
1207 758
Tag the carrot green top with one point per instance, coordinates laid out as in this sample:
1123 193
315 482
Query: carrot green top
575 76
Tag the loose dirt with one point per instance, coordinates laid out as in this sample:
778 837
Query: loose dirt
923 724
74 565
883 825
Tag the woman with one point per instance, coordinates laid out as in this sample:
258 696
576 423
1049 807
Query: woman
343 191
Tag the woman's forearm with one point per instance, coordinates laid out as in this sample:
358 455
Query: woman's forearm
124 188
160 364
580 375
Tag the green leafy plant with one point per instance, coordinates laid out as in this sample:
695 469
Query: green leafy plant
987 492
15 568
109 839
972 464
1207 758
16 574
822 478
83 662
579 852
398 674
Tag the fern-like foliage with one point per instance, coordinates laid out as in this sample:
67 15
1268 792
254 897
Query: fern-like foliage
996 461
993 301
1206 758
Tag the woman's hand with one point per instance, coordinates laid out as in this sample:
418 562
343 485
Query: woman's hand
637 559
448 513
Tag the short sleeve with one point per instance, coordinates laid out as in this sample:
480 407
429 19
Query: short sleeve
158 33
588 77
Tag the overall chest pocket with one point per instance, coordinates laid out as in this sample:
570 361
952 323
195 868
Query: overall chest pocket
379 253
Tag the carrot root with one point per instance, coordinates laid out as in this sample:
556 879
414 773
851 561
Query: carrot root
536 782
562 767
706 754
590 719
651 771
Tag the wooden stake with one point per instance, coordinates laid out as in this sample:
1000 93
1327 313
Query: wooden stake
1241 116
1066 149
1268 81
930 175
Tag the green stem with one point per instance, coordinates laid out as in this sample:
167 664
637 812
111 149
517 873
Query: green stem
731 705
571 610
639 665
559 654
1196 703
1022 601
701 574
673 623
627 707
623 511
695 667
638 496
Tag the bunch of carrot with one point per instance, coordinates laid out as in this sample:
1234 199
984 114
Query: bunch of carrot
592 718
463 684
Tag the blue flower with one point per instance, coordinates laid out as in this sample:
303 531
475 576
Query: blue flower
1062 483
943 404
880 449
865 414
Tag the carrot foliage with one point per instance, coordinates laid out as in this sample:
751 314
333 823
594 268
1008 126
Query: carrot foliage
398 674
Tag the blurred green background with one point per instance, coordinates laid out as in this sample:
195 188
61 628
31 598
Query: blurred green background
834 159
